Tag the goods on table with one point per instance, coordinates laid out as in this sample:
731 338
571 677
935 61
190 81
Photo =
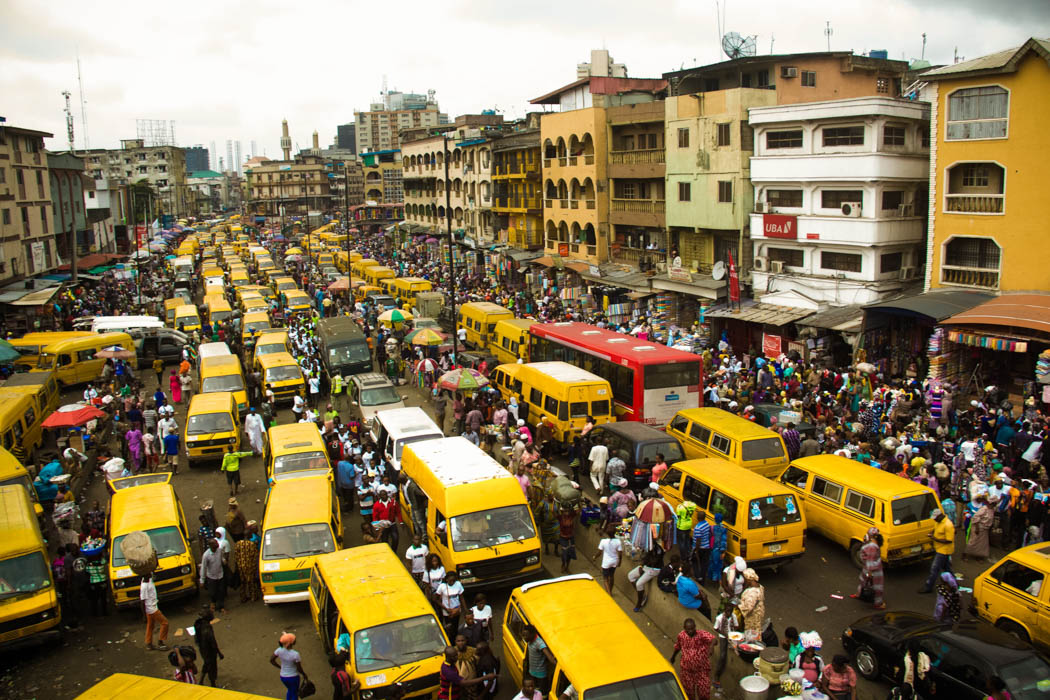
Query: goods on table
1042 367
139 553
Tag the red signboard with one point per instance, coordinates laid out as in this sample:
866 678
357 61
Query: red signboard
734 281
780 226
563 250
770 345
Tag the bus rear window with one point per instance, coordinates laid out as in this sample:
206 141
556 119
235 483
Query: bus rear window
599 408
763 448
672 375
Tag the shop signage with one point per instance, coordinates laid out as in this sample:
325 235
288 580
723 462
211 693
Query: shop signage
734 281
780 226
679 274
37 249
563 250
771 345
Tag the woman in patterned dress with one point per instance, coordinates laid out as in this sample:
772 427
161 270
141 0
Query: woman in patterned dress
247 553
695 646
871 572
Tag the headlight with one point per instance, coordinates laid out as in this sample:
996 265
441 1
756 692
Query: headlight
367 695
233 441
532 559
185 570
847 632
465 573
119 584
46 614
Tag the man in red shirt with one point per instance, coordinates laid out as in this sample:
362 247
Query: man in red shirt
388 509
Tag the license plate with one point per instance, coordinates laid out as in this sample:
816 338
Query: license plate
774 548
916 548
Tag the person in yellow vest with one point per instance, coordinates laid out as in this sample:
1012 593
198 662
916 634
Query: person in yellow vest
337 391
686 515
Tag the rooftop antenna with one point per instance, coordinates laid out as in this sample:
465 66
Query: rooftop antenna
828 31
69 122
386 98
923 56
957 56
737 46
83 106
772 38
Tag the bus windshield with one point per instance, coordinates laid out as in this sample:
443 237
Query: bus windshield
23 574
772 511
225 382
299 461
397 643
166 540
672 375
297 541
488 528
659 685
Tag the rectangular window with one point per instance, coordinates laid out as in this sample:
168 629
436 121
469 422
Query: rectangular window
828 489
891 262
683 138
978 113
724 504
720 443
550 405
891 200
882 85
536 397
696 491
893 135
7 217
784 198
745 80
925 135
700 433
791 257
723 134
843 135
971 252
843 262
865 505
627 190
784 139
834 199
725 191
975 176
43 218
763 78
809 78
684 191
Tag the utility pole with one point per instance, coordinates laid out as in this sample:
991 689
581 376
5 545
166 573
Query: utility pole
451 253
346 222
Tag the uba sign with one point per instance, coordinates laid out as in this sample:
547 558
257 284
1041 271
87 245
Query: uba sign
780 226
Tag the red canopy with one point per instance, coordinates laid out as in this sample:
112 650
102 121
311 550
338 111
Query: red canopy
71 419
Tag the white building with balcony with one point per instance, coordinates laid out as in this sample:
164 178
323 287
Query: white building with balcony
840 200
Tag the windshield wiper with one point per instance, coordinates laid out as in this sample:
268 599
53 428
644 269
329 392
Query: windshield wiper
375 658
309 551
422 651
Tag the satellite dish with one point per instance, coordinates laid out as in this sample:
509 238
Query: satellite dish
736 46
718 270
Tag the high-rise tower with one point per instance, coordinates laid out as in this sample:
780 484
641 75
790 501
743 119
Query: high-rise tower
286 140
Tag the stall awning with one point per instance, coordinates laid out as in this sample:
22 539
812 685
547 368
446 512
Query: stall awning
522 255
848 319
980 340
578 266
37 298
1029 311
88 261
769 314
935 305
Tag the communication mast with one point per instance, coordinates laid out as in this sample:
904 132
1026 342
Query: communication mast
155 132
69 122
83 107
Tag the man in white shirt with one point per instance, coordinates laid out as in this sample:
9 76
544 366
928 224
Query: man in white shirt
154 617
449 593
599 458
417 557
167 426
298 405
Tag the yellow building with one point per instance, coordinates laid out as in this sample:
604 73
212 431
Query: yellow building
988 165
517 185
298 186
575 144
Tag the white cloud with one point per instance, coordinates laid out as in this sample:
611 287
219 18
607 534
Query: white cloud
234 69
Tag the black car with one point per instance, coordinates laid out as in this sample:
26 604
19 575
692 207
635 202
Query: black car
963 656
638 444
764 412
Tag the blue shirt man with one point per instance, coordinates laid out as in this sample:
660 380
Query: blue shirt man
344 474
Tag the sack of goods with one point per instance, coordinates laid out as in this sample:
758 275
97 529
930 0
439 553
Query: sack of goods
139 553
566 493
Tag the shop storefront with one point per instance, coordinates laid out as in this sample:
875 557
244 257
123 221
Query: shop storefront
755 327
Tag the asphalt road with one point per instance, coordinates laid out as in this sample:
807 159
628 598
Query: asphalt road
248 633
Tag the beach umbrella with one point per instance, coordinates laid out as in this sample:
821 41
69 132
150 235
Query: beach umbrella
8 352
425 336
654 511
116 352
426 365
72 415
394 316
463 378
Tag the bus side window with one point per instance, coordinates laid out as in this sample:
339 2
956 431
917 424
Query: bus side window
516 626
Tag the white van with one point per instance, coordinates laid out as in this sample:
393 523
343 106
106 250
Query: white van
116 324
394 428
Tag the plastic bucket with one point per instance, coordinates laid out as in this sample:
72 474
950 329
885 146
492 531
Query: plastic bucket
754 687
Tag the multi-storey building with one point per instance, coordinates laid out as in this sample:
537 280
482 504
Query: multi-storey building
297 187
840 200
163 167
26 214
379 129
517 184
107 215
346 137
636 168
197 159
575 161
987 170
383 176
73 234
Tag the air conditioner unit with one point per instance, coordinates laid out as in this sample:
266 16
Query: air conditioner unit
788 72
761 263
906 273
776 266
905 210
760 207
851 209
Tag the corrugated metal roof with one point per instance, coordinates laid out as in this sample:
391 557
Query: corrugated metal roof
838 318
761 313
1031 311
936 304
1005 60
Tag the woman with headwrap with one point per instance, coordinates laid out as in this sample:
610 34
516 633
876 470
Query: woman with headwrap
719 541
871 575
753 605
977 533
949 605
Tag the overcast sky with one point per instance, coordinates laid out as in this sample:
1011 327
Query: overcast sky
232 69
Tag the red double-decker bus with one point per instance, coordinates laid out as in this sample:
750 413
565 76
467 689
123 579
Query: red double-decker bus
650 382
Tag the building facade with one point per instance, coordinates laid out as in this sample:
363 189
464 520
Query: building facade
197 159
27 239
517 181
383 176
107 215
73 233
379 129
987 170
163 167
636 169
840 200
346 137
295 187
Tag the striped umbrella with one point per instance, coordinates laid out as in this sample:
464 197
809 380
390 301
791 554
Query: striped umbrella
463 378
654 511
425 336
394 316
426 365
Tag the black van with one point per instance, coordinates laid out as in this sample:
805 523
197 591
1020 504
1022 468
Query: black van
637 444
343 346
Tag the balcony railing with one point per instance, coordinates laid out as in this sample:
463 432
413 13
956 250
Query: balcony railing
547 162
572 160
590 203
563 161
637 157
975 203
970 277
639 206
588 160
563 203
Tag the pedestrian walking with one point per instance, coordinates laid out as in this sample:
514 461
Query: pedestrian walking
598 457
154 617
204 636
176 387
255 429
290 664
246 554
231 466
171 451
695 647
871 573
612 553
943 547
948 607
236 523
158 368
98 585
213 575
